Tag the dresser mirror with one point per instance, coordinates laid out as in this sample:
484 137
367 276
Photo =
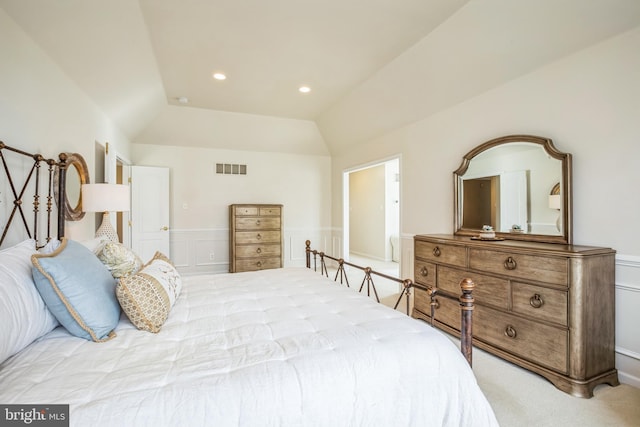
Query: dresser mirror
520 185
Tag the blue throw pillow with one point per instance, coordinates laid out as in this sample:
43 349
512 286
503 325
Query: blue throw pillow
78 289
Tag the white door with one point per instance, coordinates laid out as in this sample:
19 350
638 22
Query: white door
149 211
513 200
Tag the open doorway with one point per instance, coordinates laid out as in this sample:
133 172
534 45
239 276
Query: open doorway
371 215
111 167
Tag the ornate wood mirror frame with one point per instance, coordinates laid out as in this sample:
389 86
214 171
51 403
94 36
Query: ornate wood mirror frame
77 174
518 184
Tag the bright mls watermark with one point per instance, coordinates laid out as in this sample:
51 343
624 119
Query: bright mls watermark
34 415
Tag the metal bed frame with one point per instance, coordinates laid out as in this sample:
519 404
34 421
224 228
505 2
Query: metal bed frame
466 297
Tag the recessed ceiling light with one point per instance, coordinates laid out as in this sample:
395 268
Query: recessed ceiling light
219 76
304 89
183 100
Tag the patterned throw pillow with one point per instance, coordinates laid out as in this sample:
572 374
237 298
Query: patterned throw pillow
148 296
120 260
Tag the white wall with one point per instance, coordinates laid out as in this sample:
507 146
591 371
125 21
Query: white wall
200 199
588 104
43 111
367 212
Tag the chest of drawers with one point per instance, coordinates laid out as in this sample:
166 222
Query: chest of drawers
255 237
546 307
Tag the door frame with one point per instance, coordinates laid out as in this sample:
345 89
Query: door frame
346 197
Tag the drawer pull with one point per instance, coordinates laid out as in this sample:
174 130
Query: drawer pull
259 264
510 264
536 301
259 250
258 222
510 331
424 272
259 236
436 251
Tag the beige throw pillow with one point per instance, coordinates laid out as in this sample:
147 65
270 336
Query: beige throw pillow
119 259
148 296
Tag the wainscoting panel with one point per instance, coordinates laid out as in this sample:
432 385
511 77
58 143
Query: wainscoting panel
201 251
628 319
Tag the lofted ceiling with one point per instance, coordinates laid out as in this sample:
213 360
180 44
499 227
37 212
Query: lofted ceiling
372 65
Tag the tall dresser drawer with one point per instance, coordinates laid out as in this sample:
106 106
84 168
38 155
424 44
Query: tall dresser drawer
246 251
245 237
271 210
489 290
441 253
537 342
257 223
527 267
246 211
540 303
253 264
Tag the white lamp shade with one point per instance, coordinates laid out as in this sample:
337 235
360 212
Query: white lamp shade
105 197
554 201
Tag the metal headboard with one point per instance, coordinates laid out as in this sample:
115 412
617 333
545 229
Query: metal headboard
27 182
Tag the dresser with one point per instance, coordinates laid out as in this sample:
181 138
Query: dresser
255 237
546 307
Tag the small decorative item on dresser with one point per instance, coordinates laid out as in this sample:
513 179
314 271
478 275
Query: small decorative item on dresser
515 228
487 232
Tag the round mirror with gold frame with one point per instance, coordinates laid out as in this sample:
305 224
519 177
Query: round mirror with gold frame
77 174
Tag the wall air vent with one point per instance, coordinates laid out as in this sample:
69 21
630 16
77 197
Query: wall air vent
231 169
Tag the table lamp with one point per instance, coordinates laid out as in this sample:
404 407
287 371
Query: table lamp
105 198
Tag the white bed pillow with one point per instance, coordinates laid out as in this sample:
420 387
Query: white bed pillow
94 245
24 317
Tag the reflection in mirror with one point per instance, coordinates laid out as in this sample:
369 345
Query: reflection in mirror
73 186
519 185
77 174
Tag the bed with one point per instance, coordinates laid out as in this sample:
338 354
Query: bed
282 347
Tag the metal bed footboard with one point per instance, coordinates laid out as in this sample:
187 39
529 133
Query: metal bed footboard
466 286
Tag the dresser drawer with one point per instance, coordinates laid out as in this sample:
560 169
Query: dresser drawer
447 309
247 237
424 273
246 210
489 290
441 253
253 264
542 344
528 267
257 223
268 210
245 251
540 303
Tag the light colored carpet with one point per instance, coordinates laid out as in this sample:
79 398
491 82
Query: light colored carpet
521 398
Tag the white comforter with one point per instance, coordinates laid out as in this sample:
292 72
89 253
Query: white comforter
283 347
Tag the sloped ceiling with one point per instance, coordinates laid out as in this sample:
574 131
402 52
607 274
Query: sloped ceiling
372 65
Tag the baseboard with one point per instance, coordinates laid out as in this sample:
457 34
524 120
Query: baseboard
628 366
